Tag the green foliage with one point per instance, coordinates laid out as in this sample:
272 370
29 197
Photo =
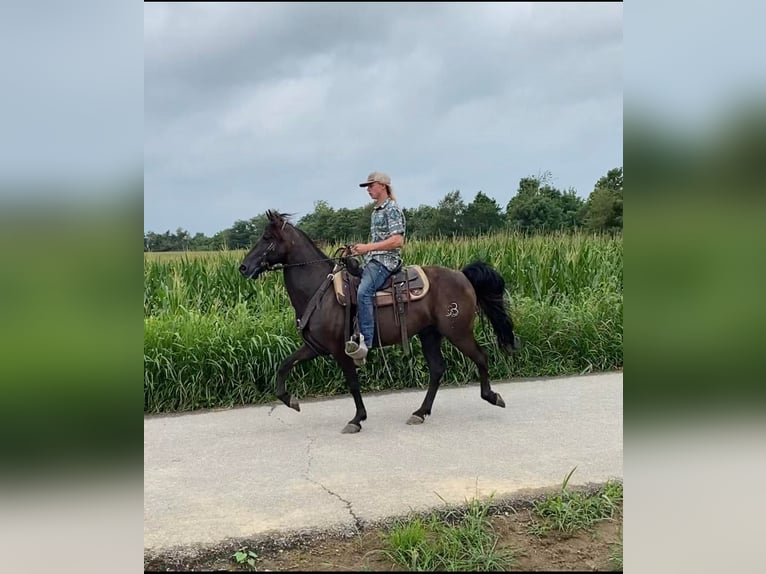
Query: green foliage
603 211
448 217
539 207
568 511
326 225
615 556
212 338
420 222
536 208
244 556
245 233
432 544
482 216
240 236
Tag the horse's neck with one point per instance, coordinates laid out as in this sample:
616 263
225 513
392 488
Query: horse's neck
302 281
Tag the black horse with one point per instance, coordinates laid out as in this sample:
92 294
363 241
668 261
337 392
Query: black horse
447 310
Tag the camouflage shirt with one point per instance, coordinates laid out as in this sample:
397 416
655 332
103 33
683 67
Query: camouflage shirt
385 221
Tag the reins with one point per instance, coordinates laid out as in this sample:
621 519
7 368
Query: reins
277 266
346 249
342 255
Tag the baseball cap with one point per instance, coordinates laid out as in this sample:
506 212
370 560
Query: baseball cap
377 176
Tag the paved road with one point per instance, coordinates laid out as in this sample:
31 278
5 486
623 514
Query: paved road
245 472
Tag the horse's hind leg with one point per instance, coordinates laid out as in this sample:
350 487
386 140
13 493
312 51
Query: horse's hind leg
431 340
469 347
303 353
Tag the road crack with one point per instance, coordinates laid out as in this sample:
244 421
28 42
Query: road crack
347 503
309 456
277 417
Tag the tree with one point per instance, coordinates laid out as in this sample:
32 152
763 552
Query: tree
199 242
218 241
319 224
540 207
603 210
182 239
179 241
482 215
572 207
362 217
535 207
421 221
448 218
244 233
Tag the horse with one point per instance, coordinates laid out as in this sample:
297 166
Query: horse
447 310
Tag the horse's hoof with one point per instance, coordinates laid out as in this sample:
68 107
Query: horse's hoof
294 404
499 400
416 420
351 428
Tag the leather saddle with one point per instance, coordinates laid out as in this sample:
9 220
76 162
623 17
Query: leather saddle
404 286
411 279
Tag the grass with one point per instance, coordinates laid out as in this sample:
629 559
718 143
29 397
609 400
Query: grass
548 269
213 339
568 511
431 544
615 557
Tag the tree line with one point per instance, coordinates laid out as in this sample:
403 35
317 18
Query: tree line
537 207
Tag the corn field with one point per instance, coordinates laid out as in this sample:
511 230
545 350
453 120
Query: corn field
215 339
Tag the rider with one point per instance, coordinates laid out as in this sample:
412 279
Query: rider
382 256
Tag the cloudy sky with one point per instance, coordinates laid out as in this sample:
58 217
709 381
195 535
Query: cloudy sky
249 107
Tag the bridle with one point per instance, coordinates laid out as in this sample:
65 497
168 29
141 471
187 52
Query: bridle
341 254
346 249
340 258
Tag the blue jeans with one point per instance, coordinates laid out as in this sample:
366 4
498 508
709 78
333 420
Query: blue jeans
374 275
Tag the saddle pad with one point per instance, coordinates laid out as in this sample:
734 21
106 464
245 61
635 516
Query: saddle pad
418 286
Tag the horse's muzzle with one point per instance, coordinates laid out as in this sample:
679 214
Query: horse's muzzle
250 273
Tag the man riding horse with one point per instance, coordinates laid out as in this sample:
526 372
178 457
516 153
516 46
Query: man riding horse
382 257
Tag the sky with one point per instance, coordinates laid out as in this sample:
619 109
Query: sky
249 107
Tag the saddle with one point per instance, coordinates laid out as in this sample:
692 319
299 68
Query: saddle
408 284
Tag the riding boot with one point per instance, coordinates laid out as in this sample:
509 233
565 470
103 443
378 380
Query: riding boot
357 351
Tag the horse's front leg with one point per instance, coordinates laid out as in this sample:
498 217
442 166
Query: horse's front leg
349 370
302 354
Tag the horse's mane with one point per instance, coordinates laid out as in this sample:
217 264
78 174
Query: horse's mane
276 218
277 221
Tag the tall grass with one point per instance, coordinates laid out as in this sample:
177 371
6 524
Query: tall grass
543 268
212 338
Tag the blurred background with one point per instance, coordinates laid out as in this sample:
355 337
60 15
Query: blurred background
71 191
695 145
71 210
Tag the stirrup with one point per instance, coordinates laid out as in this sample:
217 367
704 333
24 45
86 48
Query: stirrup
357 350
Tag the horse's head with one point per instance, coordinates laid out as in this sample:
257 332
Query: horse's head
271 248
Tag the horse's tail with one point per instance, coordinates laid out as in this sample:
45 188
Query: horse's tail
490 290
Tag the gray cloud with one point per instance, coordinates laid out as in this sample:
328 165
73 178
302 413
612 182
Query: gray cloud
257 106
67 69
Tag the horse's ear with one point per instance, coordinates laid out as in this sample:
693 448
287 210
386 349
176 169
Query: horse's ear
276 217
275 220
